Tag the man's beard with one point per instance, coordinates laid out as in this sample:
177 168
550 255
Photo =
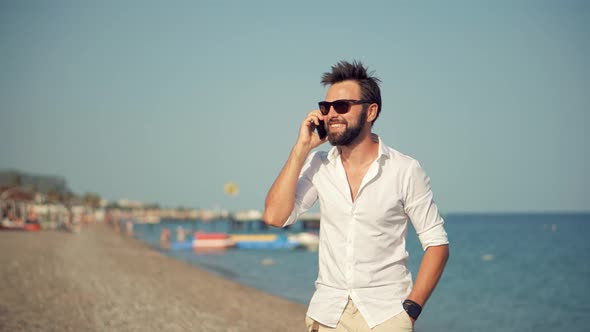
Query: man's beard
350 134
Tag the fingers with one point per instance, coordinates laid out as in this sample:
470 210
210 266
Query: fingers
307 134
314 117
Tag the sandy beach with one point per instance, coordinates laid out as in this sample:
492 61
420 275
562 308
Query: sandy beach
98 280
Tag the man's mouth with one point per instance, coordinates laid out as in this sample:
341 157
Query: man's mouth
336 125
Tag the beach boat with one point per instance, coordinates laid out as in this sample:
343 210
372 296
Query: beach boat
19 226
263 241
267 245
12 227
309 240
254 237
212 240
32 227
204 241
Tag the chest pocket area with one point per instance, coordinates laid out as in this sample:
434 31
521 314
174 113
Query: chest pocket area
387 210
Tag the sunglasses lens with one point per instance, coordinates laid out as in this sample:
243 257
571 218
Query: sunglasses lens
324 107
340 107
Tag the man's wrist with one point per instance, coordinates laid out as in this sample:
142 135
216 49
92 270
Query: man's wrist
412 308
301 150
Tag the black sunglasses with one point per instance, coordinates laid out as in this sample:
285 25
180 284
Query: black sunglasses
341 106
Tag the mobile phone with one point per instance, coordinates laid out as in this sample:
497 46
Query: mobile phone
321 128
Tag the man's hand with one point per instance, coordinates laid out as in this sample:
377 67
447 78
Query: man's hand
308 137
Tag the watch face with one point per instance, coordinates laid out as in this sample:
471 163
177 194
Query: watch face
413 312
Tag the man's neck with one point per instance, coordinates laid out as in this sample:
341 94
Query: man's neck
360 152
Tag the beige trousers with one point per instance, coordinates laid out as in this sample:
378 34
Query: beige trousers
352 321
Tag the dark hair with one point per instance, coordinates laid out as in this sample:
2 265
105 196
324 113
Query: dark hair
355 71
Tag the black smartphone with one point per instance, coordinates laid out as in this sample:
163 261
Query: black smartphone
321 128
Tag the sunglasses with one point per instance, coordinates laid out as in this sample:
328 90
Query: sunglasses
341 106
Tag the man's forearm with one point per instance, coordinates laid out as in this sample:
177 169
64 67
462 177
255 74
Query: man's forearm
281 196
431 269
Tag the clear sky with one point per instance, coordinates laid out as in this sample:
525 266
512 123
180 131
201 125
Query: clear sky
165 101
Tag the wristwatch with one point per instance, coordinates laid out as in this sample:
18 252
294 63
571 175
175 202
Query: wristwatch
412 308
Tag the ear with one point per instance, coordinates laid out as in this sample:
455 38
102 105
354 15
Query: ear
372 112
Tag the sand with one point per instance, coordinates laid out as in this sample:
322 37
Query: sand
98 280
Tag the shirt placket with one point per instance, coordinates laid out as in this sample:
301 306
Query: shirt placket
350 248
353 224
349 234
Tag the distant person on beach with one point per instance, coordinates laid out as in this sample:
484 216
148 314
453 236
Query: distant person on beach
165 238
32 216
129 228
180 234
368 192
6 216
5 210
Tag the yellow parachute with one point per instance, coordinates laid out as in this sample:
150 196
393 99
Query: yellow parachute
231 189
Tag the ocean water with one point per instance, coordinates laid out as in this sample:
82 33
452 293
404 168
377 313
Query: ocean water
506 272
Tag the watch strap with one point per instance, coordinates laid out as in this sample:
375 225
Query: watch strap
412 308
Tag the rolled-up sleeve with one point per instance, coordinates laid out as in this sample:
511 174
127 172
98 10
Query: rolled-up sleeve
305 194
420 207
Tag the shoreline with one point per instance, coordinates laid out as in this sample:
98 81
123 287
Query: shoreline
99 280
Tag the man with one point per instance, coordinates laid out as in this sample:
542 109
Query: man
367 192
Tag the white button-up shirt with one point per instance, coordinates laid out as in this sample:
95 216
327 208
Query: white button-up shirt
362 251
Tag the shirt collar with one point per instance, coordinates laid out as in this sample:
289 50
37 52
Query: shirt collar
334 153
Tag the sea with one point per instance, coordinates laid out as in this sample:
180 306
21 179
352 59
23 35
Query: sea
506 272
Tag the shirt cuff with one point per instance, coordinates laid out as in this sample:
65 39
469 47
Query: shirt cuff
436 236
293 217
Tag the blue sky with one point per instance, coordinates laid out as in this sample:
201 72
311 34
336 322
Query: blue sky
167 101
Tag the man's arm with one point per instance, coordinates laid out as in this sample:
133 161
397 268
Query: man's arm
430 271
281 196
423 213
280 199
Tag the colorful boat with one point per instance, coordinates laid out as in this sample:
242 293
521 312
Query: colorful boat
202 240
308 240
212 240
263 241
16 226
